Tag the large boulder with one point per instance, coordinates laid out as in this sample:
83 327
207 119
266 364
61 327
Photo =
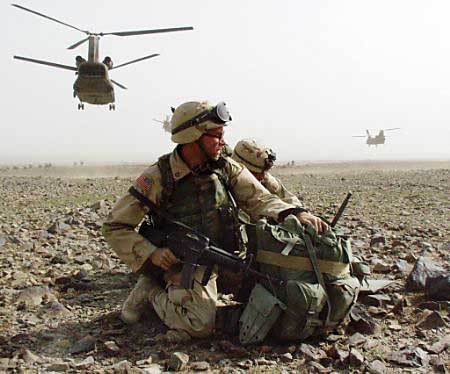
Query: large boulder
438 288
423 269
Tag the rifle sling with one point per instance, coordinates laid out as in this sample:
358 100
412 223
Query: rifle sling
314 262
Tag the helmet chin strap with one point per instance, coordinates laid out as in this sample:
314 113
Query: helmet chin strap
202 149
210 163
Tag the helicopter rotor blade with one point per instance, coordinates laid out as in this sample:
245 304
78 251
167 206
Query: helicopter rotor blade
137 60
53 64
394 128
118 84
359 136
73 46
50 18
142 32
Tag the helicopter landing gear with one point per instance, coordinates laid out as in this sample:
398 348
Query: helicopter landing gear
112 106
81 106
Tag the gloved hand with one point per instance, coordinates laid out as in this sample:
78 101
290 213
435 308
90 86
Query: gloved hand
164 258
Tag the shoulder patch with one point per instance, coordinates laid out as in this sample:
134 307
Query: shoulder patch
144 183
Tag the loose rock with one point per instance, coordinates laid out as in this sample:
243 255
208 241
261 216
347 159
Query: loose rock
178 361
424 268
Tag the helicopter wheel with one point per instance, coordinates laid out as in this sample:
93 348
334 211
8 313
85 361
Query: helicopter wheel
79 106
112 107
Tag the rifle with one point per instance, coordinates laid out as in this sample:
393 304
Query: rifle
341 210
194 249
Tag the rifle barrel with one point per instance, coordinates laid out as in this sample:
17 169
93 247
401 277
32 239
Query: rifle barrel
341 210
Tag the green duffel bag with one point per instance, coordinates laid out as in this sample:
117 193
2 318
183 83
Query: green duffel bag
318 289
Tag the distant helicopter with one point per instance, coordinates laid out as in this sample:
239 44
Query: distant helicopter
377 139
93 84
165 123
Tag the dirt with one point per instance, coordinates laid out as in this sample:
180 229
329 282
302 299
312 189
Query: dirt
62 287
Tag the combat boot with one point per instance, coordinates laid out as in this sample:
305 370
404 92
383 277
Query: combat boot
138 300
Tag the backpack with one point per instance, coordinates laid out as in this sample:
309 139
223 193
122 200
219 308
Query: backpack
318 288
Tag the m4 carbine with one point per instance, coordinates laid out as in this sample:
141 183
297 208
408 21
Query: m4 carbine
193 249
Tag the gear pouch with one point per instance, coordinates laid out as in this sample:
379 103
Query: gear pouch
260 314
343 294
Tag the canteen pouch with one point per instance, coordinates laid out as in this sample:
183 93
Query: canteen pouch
260 314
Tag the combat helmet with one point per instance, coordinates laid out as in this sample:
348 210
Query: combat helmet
192 119
254 156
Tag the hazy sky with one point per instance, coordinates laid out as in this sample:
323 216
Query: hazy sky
300 76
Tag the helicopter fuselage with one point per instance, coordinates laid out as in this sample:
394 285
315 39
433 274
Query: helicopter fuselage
376 140
93 85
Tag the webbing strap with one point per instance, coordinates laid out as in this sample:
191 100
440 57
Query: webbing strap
315 265
290 244
336 269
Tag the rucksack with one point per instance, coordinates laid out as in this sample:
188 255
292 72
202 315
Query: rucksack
318 288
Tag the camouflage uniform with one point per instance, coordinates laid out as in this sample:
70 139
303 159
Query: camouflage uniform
275 187
192 311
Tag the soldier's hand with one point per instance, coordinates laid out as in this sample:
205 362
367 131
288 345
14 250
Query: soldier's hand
316 222
164 258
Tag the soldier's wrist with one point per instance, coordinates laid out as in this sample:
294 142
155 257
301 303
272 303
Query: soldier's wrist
295 211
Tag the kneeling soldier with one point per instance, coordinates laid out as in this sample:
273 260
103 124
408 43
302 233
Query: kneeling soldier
197 186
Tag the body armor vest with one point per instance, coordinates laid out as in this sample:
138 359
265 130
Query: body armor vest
200 201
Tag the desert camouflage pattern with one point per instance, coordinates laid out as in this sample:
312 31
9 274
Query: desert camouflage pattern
275 186
193 310
185 112
251 154
134 250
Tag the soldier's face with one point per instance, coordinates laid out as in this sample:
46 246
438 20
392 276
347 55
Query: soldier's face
213 142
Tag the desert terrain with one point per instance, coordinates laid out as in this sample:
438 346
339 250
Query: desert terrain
62 287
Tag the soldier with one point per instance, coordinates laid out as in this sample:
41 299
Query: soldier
196 185
259 160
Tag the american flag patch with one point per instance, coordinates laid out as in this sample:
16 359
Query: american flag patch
144 183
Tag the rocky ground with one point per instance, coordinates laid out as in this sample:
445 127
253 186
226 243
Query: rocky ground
62 287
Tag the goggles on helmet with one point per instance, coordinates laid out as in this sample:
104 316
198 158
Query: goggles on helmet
269 160
218 114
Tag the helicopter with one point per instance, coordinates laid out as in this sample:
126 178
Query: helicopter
93 84
166 125
377 139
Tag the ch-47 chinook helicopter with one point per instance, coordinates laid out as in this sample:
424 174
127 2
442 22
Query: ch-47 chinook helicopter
166 125
93 84
377 139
